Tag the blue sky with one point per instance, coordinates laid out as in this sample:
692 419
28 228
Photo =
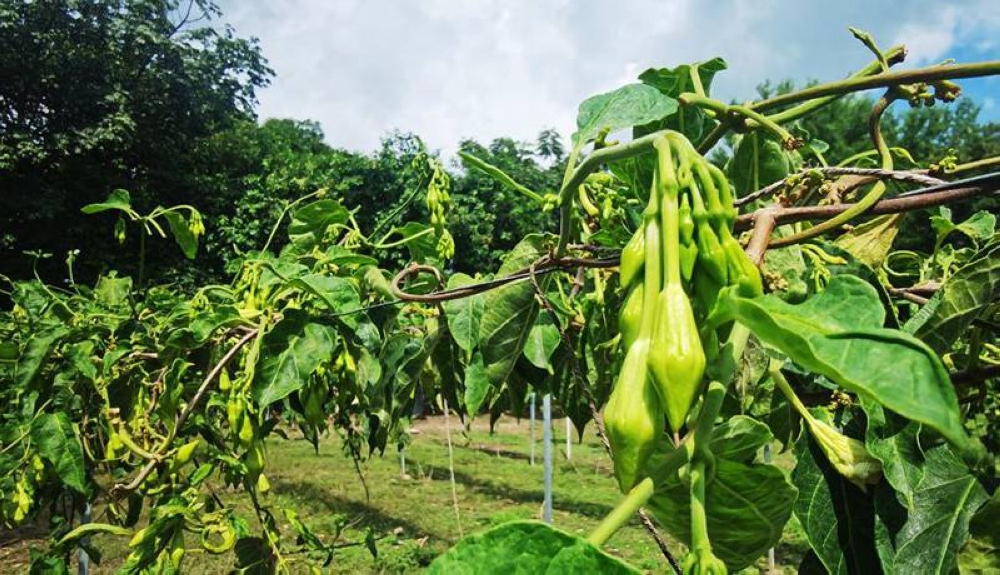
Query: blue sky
453 69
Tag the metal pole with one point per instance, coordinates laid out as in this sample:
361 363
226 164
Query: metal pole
402 461
569 442
547 438
451 469
531 428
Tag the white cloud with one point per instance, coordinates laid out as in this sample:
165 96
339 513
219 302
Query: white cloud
929 39
448 69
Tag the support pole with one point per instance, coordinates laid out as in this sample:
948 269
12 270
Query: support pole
531 428
547 439
569 441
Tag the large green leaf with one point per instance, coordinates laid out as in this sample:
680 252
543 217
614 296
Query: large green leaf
36 352
477 384
543 339
739 438
960 301
945 501
893 441
979 227
464 314
288 355
253 556
180 227
117 200
58 444
838 518
630 105
841 262
747 508
310 222
747 504
789 265
112 291
526 547
203 326
689 120
835 334
337 293
510 311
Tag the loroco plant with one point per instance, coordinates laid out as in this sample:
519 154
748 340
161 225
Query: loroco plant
146 400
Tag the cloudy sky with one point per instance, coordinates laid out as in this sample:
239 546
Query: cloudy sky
453 69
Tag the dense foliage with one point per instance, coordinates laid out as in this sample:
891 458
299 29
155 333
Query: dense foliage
148 389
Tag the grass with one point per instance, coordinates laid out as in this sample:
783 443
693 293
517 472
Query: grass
413 514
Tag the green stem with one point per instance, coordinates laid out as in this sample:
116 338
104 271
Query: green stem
624 511
892 56
699 519
671 240
928 74
499 175
381 245
774 370
284 212
575 176
873 195
978 164
653 274
714 396
846 162
869 41
695 75
566 196
724 111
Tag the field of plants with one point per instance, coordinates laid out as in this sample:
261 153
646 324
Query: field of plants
773 339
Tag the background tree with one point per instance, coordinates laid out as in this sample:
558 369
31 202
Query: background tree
490 219
104 94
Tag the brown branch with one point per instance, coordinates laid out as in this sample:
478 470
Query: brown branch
974 376
907 295
926 289
918 294
890 206
911 176
763 225
544 266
